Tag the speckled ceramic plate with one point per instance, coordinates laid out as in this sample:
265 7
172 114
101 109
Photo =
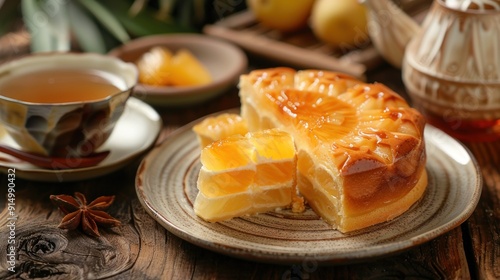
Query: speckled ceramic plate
166 187
135 132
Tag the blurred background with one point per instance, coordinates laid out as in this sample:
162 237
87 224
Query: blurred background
98 26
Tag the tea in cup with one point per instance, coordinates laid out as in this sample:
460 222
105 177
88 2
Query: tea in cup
64 104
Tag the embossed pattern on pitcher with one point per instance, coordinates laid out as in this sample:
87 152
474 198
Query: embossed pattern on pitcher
452 68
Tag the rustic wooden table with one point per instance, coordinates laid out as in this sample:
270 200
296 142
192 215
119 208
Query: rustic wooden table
142 249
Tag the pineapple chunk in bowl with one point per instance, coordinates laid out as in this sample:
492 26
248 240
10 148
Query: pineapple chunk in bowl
186 68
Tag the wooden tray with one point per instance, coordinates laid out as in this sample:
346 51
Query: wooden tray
302 49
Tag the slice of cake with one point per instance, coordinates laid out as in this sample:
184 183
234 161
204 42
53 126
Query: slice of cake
244 175
360 147
217 127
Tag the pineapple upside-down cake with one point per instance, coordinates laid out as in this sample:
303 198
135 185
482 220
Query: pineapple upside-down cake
360 152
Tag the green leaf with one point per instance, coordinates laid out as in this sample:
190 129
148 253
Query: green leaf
36 21
107 19
86 31
58 26
48 25
144 23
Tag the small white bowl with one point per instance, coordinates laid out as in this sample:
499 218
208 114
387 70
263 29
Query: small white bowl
225 61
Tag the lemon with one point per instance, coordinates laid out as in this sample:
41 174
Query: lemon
340 23
282 15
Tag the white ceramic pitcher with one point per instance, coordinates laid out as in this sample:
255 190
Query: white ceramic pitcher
450 64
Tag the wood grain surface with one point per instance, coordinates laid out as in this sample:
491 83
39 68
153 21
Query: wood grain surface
142 249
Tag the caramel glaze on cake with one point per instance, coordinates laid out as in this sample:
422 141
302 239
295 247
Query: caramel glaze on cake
361 154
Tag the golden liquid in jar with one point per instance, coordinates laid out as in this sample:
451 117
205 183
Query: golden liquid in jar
60 86
465 129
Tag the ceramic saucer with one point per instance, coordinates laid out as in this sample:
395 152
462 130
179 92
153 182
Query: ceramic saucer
135 132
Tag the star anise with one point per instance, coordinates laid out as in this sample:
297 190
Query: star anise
87 216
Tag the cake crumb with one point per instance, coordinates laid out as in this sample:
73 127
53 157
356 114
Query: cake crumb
298 205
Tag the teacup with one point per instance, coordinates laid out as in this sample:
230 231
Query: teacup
64 104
